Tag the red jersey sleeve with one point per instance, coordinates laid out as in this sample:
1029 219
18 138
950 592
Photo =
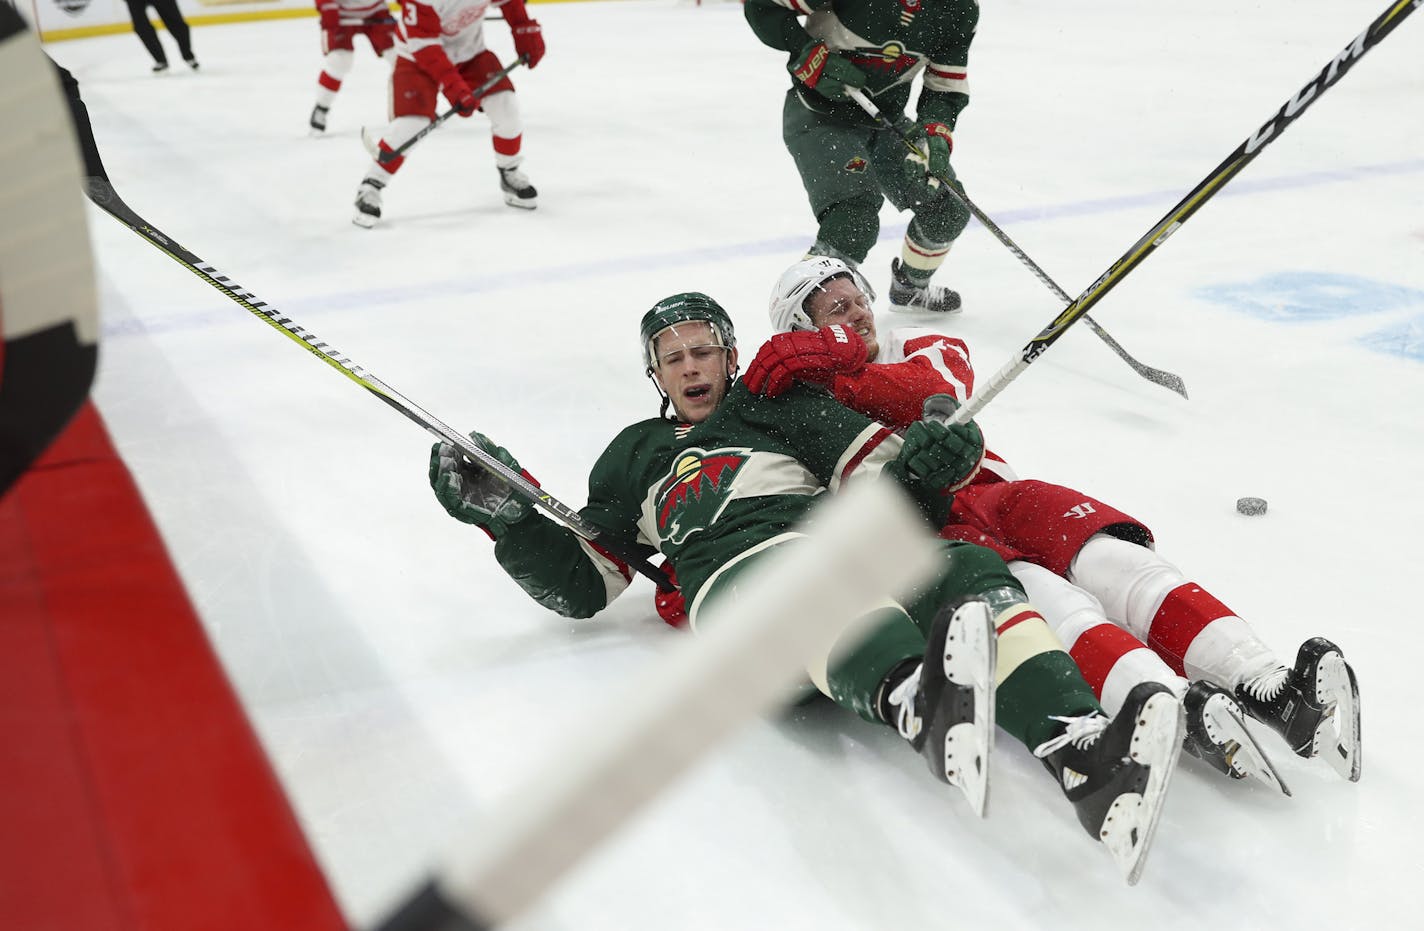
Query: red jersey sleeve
894 393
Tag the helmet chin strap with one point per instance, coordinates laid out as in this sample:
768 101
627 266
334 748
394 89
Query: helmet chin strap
667 401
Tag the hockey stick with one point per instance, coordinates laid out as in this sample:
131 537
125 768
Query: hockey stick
385 158
1156 376
104 196
808 598
1270 131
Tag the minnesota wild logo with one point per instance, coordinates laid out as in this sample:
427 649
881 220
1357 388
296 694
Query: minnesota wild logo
891 59
856 164
698 489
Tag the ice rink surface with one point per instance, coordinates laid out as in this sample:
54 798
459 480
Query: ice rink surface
402 685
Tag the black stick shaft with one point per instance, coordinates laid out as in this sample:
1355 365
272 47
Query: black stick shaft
385 158
1271 130
1157 376
104 196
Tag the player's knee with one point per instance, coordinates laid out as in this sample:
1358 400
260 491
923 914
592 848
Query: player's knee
338 62
502 108
942 219
851 226
404 128
976 569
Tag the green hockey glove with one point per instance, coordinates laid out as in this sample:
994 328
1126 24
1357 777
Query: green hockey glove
474 495
940 457
936 141
824 71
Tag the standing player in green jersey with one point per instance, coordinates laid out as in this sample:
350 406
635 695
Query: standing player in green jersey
847 163
728 479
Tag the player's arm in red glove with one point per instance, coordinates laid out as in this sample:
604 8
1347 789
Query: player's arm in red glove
422 30
816 356
528 37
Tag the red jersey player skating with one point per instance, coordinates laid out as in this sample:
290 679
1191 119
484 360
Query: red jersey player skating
341 22
443 52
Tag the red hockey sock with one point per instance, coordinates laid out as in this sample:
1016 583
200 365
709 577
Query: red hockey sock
394 164
507 146
1185 613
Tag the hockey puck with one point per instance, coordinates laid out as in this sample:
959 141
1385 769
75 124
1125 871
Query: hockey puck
1251 506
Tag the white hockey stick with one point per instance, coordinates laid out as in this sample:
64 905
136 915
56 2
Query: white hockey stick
865 543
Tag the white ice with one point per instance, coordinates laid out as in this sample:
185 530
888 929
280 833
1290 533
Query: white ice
402 684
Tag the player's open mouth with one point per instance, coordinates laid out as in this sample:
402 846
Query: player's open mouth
697 391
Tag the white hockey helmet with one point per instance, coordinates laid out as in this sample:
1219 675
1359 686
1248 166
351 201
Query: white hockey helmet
788 297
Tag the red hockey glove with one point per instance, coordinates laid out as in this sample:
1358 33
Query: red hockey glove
672 608
528 37
815 356
459 94
529 40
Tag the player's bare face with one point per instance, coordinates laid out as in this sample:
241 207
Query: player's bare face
693 369
840 301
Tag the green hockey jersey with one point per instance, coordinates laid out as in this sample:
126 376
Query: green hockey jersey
700 494
892 41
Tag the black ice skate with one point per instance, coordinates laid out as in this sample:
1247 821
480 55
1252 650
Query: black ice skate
1315 706
518 192
159 67
1217 734
318 119
946 706
1115 772
192 63
910 298
368 203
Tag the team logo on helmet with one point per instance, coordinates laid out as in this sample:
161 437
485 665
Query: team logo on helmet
855 164
697 491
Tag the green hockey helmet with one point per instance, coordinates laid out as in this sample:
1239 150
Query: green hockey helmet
688 307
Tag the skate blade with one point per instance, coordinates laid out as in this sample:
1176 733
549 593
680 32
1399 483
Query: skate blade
970 657
316 133
371 142
514 200
1337 738
1227 727
365 221
1130 827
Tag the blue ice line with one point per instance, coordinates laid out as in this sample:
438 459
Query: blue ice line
355 300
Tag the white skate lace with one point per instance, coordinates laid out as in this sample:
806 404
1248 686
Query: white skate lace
514 177
1081 731
903 698
1267 685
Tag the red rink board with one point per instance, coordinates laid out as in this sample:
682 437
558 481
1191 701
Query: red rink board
133 792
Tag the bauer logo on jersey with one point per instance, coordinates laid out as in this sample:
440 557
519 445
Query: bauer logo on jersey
698 489
855 164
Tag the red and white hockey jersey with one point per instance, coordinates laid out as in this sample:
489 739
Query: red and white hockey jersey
456 26
912 365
